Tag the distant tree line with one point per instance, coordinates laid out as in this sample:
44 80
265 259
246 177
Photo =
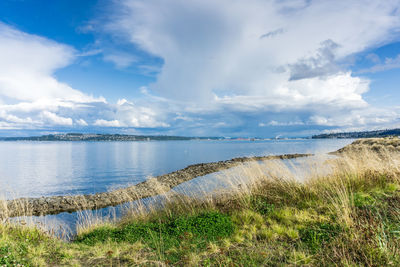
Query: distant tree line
365 134
103 137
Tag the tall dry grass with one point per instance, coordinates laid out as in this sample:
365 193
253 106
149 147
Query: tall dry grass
332 178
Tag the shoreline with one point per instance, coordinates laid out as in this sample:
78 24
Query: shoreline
151 187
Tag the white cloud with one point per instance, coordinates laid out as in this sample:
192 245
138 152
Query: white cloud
213 47
257 57
278 123
27 65
146 115
363 118
54 119
338 91
9 118
360 119
105 123
32 98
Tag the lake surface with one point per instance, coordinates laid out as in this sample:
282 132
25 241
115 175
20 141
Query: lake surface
34 169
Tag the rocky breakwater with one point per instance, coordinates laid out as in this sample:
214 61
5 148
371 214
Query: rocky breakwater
148 188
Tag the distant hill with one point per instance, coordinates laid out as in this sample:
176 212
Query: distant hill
102 137
365 134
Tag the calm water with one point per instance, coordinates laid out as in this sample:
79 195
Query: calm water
33 169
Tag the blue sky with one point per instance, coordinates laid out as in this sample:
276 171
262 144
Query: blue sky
199 67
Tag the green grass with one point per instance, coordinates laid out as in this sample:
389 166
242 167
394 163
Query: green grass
167 234
314 236
346 219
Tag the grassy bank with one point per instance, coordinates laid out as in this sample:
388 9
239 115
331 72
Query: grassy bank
346 215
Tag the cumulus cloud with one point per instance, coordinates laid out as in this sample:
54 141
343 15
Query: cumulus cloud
224 63
105 123
141 115
32 98
54 119
27 64
341 91
259 56
213 47
323 63
278 123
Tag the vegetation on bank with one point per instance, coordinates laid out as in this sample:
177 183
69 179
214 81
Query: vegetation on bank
362 134
348 217
105 137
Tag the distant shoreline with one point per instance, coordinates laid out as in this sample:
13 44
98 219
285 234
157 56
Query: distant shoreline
95 137
363 134
104 137
74 137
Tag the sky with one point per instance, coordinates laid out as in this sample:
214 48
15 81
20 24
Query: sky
232 68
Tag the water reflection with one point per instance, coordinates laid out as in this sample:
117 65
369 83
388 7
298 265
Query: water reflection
33 169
